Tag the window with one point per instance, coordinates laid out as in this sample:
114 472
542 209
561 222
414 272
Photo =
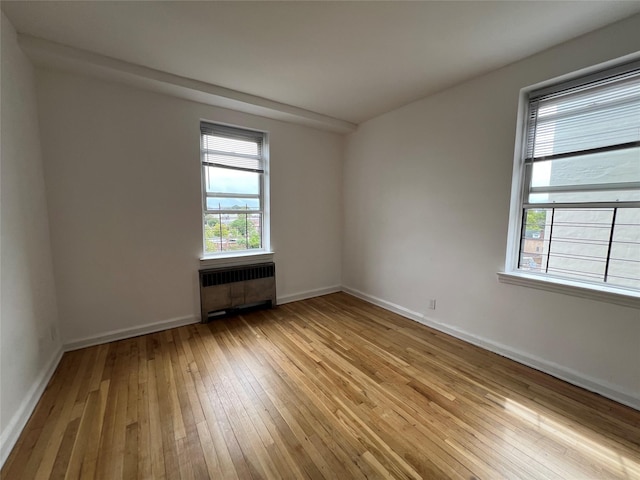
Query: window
579 208
234 163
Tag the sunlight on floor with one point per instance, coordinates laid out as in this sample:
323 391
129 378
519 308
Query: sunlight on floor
601 454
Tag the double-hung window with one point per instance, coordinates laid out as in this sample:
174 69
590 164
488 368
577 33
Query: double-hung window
234 163
579 204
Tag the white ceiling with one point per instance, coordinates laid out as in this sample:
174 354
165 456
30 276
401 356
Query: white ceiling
347 60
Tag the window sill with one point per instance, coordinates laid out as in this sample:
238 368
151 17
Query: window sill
603 293
233 259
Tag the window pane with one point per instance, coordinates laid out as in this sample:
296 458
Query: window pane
231 232
224 180
600 168
597 169
533 252
232 203
575 243
579 243
624 265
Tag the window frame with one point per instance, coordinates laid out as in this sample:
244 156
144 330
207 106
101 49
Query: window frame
251 254
512 274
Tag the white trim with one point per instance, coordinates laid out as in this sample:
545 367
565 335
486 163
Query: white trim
592 384
19 420
517 185
577 289
124 333
393 307
317 292
266 194
51 54
235 259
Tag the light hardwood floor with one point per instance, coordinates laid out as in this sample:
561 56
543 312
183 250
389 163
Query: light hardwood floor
331 387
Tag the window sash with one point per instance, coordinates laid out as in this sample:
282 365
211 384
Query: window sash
616 92
596 245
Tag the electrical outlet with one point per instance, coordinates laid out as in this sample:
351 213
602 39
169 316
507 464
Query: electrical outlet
432 304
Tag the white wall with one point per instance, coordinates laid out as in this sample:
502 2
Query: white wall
29 340
427 191
123 183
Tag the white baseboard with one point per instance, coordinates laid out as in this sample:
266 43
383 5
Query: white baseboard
568 375
294 297
124 333
17 423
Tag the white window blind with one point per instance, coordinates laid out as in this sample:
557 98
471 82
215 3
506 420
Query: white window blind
230 147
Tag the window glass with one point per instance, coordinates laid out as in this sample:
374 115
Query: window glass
226 180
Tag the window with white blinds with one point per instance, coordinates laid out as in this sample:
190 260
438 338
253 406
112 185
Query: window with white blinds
233 188
580 199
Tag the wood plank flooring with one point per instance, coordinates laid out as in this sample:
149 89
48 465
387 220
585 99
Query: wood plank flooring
331 387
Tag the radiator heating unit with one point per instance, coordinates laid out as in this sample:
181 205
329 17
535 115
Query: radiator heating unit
223 290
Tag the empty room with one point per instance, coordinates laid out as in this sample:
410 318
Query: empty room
323 240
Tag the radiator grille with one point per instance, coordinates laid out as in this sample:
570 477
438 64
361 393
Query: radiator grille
239 274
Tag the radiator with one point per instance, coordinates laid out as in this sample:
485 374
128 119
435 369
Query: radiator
229 288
